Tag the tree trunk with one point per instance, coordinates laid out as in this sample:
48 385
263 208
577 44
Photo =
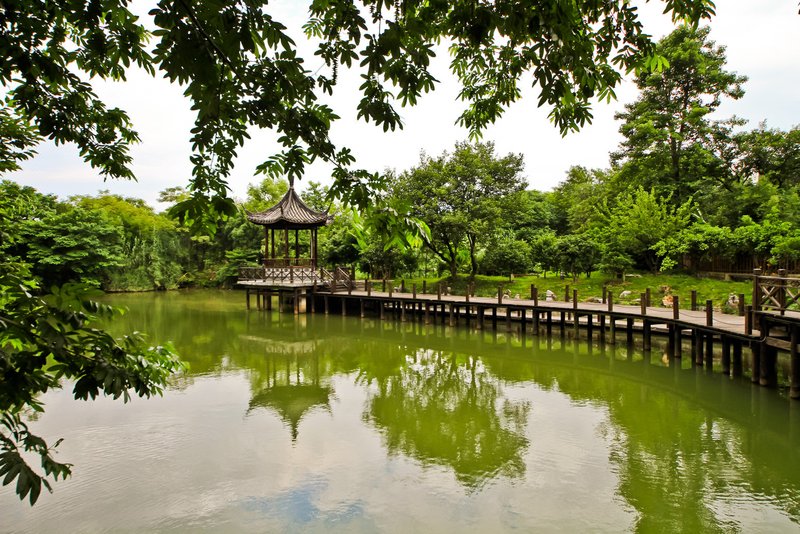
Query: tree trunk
473 261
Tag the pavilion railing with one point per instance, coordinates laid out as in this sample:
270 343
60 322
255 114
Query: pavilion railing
298 274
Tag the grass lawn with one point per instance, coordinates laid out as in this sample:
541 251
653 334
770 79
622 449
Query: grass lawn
660 285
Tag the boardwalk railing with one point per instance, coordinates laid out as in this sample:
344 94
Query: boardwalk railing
775 293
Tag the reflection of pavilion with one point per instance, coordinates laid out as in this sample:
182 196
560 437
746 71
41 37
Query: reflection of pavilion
292 386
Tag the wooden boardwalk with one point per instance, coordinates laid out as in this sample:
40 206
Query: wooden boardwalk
763 333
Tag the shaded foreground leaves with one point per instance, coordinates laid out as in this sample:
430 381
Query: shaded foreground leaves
45 338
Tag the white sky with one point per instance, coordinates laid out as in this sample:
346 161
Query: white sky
761 39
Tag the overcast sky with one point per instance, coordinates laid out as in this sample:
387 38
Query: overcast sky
761 39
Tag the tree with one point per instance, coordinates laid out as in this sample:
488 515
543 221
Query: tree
577 253
73 245
639 221
462 197
240 68
506 255
668 132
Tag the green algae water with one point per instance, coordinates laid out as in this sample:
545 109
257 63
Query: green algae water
327 423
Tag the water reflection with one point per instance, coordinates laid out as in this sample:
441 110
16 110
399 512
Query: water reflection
290 383
690 451
445 408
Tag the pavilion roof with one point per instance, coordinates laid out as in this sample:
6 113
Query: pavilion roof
290 212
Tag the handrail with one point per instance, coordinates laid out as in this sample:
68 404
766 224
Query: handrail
776 293
339 278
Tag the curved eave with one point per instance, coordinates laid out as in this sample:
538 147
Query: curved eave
290 213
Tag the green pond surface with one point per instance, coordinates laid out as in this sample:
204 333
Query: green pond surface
317 423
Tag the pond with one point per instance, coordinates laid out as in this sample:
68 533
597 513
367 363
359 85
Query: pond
320 423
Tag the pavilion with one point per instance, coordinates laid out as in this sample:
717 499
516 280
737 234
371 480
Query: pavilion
290 213
286 273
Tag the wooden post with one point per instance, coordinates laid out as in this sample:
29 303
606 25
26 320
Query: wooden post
756 302
737 358
369 287
481 311
794 370
676 308
296 303
698 339
535 295
748 320
414 291
391 289
335 280
575 299
726 355
466 297
549 322
499 294
535 322
629 333
678 342
646 335
741 305
611 303
694 300
384 286
709 313
424 286
494 318
643 303
709 351
452 321
769 369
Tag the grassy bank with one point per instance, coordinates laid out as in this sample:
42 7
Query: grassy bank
660 285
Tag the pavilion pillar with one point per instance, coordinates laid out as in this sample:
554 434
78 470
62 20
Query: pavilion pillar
272 231
286 243
266 245
314 247
296 245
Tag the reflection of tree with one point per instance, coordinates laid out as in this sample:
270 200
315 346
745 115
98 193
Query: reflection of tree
677 459
679 440
443 411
